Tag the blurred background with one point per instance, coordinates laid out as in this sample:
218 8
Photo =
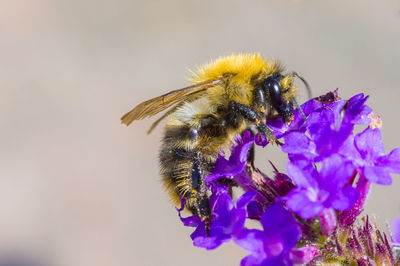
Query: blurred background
77 187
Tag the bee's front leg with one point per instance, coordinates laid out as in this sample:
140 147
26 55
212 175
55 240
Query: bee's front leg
267 132
251 115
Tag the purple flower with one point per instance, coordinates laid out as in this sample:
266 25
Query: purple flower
228 168
317 191
327 130
226 221
329 101
357 111
323 140
329 174
348 217
368 155
267 189
271 246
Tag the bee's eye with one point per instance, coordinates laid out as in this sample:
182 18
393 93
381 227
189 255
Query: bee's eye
273 87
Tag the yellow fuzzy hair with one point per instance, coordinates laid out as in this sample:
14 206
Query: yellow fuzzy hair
287 82
243 66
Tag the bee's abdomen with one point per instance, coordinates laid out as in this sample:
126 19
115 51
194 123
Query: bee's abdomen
183 165
194 136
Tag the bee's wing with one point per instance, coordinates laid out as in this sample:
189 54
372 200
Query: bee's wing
154 106
189 98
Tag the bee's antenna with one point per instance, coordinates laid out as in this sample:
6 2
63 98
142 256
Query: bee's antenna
309 93
298 107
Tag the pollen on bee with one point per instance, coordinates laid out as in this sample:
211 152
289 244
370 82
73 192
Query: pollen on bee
287 81
290 119
290 91
203 218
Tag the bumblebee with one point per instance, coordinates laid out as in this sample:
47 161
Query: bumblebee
227 97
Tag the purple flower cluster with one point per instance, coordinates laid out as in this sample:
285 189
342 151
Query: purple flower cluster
329 173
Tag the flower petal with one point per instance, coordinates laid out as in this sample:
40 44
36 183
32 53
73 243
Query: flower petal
335 173
391 162
303 174
356 111
245 199
298 143
251 240
298 202
378 175
345 198
235 163
209 242
251 260
369 144
255 210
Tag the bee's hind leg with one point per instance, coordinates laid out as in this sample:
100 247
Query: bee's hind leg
201 204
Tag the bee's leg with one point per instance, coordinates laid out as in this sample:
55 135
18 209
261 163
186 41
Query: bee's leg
200 166
259 100
199 191
251 156
267 132
259 103
251 153
250 114
273 115
231 183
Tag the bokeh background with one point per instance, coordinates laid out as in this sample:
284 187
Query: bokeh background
77 187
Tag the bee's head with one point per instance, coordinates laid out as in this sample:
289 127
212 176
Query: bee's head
281 93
